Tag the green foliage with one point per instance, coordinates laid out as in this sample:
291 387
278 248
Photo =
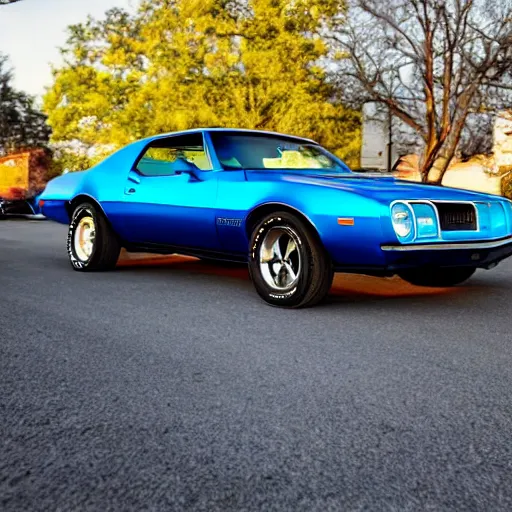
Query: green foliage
21 124
179 64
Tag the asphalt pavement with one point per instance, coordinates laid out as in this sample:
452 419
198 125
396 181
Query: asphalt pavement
167 384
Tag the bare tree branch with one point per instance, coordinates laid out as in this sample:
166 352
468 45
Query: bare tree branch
435 64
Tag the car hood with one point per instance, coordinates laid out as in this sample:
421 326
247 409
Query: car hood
383 188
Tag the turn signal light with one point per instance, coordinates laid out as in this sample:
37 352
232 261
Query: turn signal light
346 221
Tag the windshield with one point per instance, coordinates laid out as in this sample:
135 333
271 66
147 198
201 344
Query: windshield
259 152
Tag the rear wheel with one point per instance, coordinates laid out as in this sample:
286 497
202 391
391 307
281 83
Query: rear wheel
287 262
92 244
437 276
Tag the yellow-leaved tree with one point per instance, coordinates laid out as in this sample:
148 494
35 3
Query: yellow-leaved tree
179 64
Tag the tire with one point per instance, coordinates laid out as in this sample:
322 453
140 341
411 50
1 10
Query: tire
301 277
94 251
437 277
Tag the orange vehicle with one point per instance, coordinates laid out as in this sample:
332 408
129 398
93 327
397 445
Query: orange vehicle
23 176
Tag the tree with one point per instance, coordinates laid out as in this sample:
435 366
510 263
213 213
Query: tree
437 65
21 124
179 64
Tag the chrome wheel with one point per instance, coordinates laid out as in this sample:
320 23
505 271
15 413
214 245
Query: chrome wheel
280 260
83 241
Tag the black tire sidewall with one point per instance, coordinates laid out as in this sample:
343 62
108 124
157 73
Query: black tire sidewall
295 296
83 210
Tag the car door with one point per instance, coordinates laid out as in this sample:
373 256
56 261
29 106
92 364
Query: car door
170 194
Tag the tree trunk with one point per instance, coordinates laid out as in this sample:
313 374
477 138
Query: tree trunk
448 147
437 171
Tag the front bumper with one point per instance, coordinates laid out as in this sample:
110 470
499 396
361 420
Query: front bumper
485 254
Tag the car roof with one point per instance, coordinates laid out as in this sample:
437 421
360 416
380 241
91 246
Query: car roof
230 130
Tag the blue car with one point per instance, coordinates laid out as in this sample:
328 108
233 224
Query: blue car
285 205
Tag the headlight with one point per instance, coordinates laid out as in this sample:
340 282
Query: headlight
401 217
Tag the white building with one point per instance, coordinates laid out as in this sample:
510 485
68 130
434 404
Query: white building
375 145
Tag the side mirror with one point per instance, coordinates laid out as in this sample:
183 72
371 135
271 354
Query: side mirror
182 166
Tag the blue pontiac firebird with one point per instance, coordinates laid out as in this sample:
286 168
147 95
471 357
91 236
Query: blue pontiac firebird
284 204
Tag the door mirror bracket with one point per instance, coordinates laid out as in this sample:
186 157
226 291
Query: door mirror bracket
182 166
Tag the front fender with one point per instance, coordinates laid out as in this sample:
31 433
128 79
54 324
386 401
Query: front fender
356 244
350 226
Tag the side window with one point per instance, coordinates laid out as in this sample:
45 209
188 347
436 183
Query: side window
163 156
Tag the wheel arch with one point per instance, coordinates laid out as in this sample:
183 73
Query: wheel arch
86 198
261 210
79 199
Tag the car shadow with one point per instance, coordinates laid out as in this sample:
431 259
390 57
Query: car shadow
185 263
345 288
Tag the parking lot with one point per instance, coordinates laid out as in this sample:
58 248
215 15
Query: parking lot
169 385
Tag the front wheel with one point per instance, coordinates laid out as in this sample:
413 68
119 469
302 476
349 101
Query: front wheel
92 244
287 262
437 277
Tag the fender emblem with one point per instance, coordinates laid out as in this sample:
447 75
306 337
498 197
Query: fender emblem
229 222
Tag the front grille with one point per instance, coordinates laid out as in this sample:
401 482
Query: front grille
457 216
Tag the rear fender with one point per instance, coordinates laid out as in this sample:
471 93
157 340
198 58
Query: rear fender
58 194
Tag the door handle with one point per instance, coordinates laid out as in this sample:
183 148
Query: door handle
134 178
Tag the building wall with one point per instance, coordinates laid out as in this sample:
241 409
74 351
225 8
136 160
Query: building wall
503 142
481 173
375 143
471 175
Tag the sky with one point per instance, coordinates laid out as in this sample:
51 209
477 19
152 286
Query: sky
31 31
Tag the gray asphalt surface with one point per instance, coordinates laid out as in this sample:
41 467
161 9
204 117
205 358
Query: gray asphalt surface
174 387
